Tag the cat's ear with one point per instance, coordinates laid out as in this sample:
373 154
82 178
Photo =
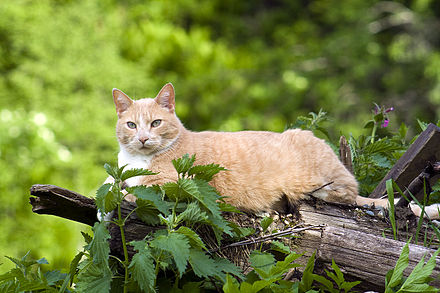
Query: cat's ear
165 98
122 101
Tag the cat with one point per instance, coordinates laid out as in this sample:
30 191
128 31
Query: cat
266 170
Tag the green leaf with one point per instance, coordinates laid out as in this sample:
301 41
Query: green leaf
147 212
207 196
265 223
262 262
205 172
418 280
183 164
174 192
397 273
280 247
307 279
194 239
192 214
231 285
423 125
369 124
225 207
224 265
142 266
94 278
106 200
152 195
136 172
177 245
53 277
202 264
87 237
382 146
74 265
112 171
282 267
99 246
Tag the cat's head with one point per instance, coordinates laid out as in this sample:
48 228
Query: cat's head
147 126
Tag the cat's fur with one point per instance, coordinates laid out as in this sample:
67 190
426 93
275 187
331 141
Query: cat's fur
265 169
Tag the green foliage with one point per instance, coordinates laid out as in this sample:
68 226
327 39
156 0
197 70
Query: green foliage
255 65
27 276
417 281
181 206
180 253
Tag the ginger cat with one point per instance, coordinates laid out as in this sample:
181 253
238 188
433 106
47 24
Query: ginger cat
265 168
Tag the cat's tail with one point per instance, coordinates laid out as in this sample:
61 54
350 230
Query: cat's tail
432 211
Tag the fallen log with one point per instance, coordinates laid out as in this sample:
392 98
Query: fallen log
353 236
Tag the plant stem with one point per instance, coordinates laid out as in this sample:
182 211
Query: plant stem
124 246
373 133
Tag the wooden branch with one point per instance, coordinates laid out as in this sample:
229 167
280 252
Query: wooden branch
57 201
425 149
419 183
345 154
347 234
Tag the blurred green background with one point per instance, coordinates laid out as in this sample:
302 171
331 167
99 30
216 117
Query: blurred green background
235 65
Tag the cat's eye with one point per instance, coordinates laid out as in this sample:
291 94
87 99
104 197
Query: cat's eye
156 123
131 125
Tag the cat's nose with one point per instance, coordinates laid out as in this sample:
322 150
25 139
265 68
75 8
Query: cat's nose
143 139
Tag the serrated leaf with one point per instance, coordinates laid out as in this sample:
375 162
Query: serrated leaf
265 223
307 277
53 277
225 207
339 275
183 164
99 246
11 275
106 200
150 194
282 267
382 146
228 267
262 262
136 172
194 239
147 212
397 273
173 192
142 267
202 264
207 196
87 237
192 214
205 172
74 265
177 245
420 276
111 170
280 247
94 278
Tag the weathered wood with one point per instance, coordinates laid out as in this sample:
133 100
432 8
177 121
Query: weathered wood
425 149
58 201
361 256
349 235
419 183
345 154
354 240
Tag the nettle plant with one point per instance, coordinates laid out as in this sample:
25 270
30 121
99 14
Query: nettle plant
181 208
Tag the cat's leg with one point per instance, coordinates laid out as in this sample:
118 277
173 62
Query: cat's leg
432 212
